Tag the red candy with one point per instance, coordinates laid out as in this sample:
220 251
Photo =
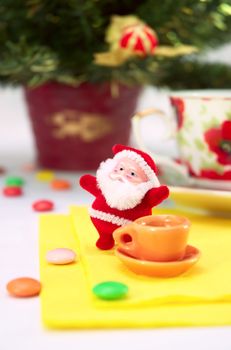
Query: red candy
43 205
12 191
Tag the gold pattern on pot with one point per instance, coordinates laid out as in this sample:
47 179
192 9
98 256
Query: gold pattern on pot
87 126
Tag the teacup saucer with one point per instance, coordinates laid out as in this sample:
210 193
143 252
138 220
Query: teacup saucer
218 202
161 269
221 185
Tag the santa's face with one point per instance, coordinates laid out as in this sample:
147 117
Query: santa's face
123 183
127 170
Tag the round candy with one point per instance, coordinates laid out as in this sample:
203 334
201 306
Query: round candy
12 191
43 205
45 175
14 181
2 170
60 256
59 184
28 167
24 287
110 290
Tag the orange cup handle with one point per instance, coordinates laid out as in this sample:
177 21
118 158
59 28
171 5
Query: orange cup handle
124 238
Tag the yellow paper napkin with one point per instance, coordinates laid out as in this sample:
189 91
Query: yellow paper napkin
202 296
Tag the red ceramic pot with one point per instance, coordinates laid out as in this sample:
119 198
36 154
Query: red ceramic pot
76 127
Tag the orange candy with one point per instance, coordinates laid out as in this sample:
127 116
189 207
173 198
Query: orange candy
24 287
29 167
59 184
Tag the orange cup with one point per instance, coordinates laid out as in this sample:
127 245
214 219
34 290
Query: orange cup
154 238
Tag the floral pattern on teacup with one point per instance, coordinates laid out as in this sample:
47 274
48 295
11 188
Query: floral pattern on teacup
219 142
210 174
178 104
204 138
213 175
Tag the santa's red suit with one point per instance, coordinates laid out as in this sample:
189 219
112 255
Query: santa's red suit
106 218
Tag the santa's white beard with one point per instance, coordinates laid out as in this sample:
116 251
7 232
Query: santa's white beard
118 194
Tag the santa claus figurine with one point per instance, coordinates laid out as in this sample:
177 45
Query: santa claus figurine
125 188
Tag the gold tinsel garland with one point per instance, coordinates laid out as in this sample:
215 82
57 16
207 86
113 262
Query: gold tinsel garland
117 55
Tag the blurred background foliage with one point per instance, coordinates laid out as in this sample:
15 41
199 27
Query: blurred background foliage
55 40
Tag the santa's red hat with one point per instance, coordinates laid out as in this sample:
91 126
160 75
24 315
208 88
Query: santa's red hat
145 162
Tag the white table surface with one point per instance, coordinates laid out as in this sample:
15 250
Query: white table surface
20 324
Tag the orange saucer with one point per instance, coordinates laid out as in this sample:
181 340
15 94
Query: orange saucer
161 269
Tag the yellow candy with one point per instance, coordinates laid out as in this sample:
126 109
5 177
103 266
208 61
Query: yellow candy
45 175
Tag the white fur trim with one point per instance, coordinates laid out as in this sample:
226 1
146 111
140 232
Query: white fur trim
141 162
97 214
119 195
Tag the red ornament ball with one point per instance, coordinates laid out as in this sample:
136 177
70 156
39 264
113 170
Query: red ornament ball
12 191
43 205
139 38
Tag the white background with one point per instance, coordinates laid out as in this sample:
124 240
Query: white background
20 324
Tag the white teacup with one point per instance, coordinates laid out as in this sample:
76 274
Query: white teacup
203 133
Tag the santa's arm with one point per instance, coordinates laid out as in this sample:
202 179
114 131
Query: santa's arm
89 183
156 195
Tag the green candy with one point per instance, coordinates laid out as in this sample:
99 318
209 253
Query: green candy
14 181
110 290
